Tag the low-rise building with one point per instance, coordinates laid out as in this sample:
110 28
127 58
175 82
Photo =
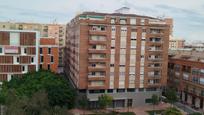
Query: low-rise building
48 54
18 53
23 51
54 30
186 74
176 43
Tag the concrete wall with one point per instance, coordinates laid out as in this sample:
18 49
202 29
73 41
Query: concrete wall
138 97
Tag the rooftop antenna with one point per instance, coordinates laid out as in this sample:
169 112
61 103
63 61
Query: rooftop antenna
55 21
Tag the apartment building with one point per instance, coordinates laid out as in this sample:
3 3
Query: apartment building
23 51
48 54
123 55
18 53
56 31
186 74
176 43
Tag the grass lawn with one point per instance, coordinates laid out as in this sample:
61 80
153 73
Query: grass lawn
156 111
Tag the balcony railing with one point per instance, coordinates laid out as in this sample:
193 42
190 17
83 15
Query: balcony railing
101 76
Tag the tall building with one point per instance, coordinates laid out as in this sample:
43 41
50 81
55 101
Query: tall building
123 55
186 74
18 53
176 43
56 31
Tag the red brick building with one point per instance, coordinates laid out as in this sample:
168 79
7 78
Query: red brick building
186 74
124 55
48 54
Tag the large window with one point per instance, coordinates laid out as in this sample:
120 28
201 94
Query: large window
14 38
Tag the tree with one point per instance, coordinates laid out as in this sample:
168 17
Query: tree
155 100
36 105
104 100
171 111
83 103
171 96
58 91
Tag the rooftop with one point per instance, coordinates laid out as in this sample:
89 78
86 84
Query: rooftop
190 55
115 14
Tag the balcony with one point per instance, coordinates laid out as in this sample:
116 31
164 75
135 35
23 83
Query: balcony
91 50
154 66
97 68
154 84
96 77
94 32
97 58
155 59
155 76
155 49
97 42
157 22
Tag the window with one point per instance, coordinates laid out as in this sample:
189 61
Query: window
41 50
142 21
41 59
1 50
17 60
41 66
133 44
48 67
32 60
133 21
133 35
129 103
110 90
49 50
24 69
122 21
52 59
25 50
120 90
112 21
14 38
130 90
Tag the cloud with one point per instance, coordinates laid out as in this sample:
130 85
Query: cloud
188 16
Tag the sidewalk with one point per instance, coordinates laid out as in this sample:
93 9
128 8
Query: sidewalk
142 110
185 108
138 110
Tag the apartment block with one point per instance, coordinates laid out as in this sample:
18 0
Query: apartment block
186 74
18 53
123 55
54 30
48 54
176 43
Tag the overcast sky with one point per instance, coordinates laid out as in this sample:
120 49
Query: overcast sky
188 14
